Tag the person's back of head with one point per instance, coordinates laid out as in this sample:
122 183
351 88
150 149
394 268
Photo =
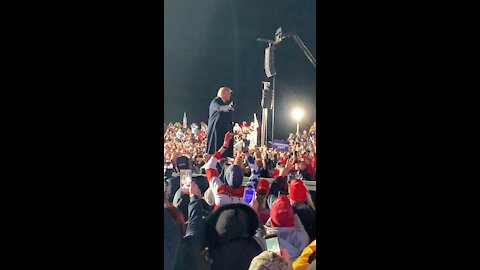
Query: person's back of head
230 232
263 187
183 163
268 260
225 93
280 183
237 254
282 214
234 176
298 191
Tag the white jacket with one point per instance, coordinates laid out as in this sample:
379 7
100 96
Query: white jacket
295 239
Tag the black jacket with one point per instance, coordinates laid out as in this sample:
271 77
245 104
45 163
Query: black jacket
307 216
189 257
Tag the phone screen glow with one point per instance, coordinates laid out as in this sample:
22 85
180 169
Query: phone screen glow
248 195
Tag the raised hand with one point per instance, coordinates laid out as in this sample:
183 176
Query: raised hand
239 160
228 137
194 190
290 164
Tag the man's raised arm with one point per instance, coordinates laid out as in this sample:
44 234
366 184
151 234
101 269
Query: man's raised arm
222 108
211 166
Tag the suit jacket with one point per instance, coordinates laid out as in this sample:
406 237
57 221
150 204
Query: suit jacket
219 123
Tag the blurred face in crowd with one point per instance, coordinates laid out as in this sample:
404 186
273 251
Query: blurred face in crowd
306 161
302 166
297 166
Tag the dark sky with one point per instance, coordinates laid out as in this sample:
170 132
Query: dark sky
212 43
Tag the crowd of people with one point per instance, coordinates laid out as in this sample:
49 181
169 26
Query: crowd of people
215 225
190 141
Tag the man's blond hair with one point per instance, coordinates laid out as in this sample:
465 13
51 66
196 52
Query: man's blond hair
221 89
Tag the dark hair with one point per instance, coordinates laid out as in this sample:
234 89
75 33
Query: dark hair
177 216
211 236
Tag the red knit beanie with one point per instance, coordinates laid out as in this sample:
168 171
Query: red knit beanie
281 214
298 191
263 186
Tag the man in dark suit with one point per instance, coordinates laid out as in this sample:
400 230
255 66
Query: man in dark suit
220 121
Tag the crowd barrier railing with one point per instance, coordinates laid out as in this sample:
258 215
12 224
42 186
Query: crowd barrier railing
311 185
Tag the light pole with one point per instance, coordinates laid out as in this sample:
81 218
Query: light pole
297 114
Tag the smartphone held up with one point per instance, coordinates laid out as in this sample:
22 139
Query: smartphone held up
273 244
249 194
185 181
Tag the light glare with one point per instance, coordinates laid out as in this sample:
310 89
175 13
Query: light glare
297 114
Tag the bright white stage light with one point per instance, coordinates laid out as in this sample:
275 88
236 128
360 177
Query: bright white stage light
297 114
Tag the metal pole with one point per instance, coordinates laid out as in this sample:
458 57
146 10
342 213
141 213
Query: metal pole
263 138
262 131
305 50
298 126
273 105
266 126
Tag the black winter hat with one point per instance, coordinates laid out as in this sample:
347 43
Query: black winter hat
229 222
230 234
234 176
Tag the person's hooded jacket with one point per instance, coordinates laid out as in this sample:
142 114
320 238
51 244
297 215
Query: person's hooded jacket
288 227
230 237
189 257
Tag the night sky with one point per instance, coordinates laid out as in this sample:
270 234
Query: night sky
212 43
